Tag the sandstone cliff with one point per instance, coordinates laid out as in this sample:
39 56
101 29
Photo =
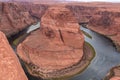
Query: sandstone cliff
107 23
10 68
82 13
102 18
13 18
114 74
35 10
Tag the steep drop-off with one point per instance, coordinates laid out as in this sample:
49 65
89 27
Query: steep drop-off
102 18
13 18
35 10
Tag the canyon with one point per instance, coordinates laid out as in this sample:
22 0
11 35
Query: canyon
56 49
103 18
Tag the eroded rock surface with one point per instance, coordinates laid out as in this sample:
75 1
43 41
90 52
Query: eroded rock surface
55 47
35 10
101 18
107 24
114 74
13 18
10 68
82 13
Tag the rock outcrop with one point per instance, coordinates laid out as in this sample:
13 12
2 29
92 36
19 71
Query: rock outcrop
101 18
56 49
10 68
107 24
13 18
35 10
114 74
82 13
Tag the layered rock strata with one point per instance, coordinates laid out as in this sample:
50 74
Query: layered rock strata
114 74
107 24
105 20
56 49
13 18
35 10
100 17
10 68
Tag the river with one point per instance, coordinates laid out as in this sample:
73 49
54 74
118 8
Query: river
106 57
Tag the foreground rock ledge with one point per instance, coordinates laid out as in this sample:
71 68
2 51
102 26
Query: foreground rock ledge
56 49
114 74
10 68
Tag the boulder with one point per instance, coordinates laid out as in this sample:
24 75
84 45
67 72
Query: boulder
53 50
10 68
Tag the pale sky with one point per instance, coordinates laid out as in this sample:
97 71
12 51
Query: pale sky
96 0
